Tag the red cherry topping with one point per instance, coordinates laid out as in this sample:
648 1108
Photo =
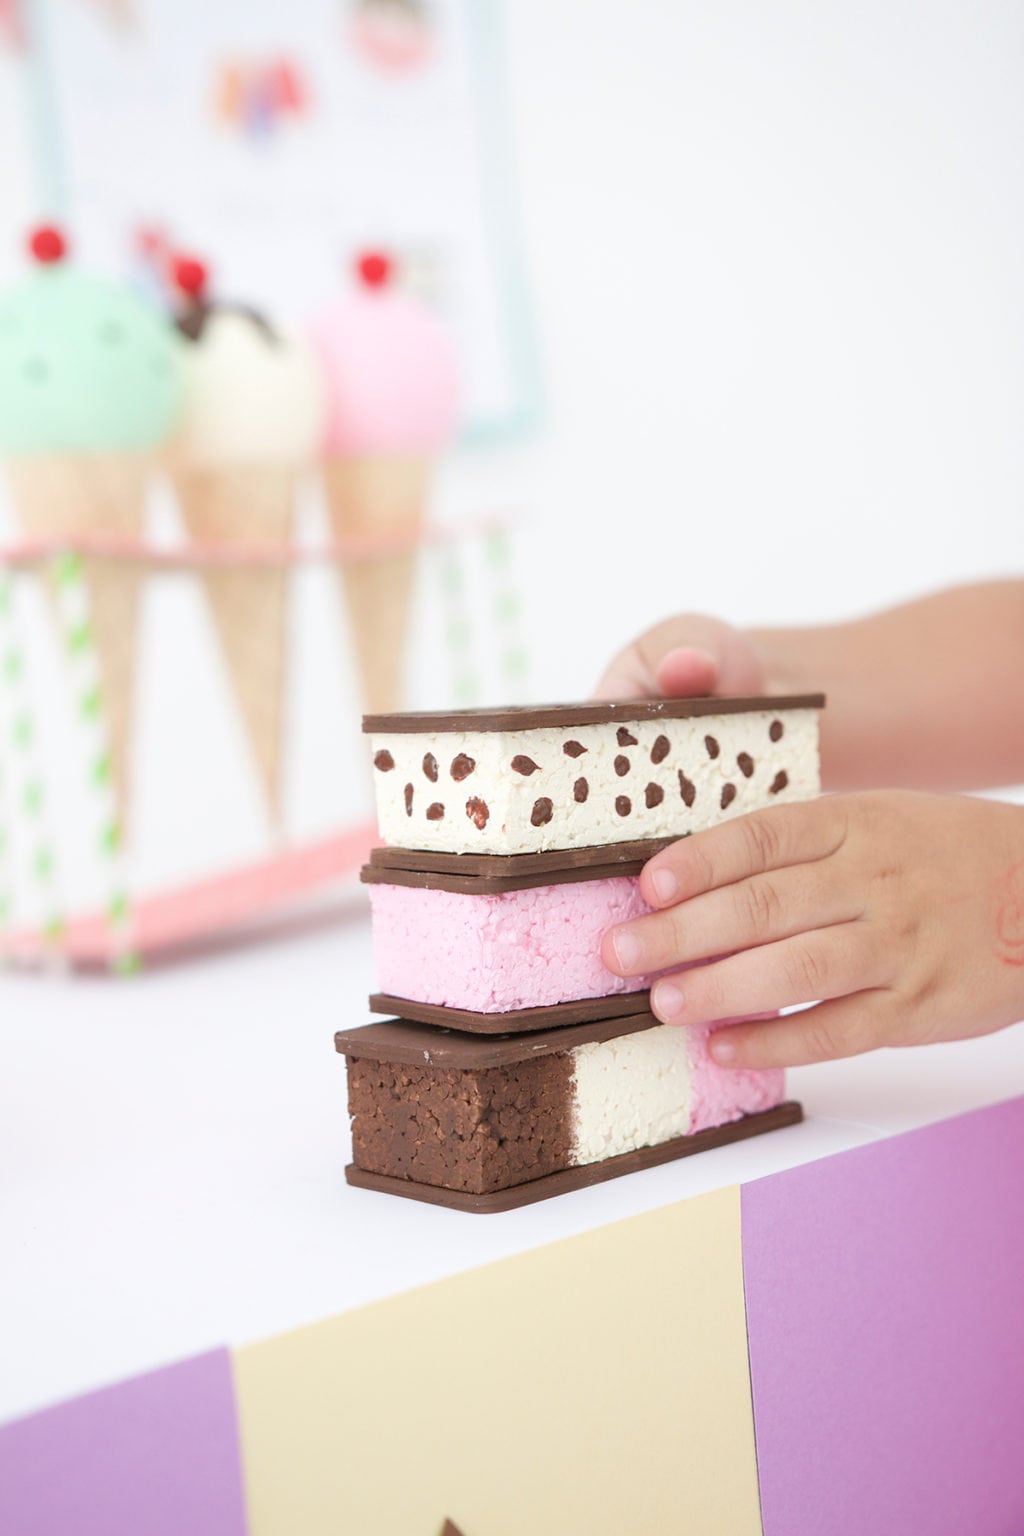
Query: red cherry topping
374 267
189 276
47 244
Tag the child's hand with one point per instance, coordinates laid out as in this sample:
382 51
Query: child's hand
903 913
683 657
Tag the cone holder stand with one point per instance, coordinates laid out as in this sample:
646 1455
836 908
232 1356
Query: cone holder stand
122 929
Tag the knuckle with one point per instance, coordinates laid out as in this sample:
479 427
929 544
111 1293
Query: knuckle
702 869
807 972
763 845
762 909
821 1040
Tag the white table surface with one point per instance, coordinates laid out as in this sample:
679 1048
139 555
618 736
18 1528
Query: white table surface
172 1147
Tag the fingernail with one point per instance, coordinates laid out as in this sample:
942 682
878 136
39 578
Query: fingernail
667 1001
628 949
665 884
722 1049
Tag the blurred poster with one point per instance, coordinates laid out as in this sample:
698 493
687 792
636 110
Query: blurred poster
277 142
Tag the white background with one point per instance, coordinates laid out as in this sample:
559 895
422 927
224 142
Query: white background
776 251
776 254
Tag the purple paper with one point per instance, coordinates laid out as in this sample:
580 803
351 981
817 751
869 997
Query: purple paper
885 1312
156 1455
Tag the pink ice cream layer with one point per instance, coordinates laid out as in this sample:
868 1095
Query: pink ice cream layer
720 1094
493 953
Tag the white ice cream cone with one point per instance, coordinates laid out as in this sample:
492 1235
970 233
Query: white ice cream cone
248 505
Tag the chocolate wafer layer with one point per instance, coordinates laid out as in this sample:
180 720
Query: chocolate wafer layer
568 1179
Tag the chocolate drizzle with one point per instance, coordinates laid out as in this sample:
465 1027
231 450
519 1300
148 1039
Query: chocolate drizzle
193 320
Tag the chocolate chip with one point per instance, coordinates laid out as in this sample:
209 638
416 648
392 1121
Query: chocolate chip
621 766
660 750
478 812
623 805
745 763
712 746
775 730
541 813
574 748
780 781
624 739
462 767
728 795
580 791
384 762
408 799
653 795
525 765
435 812
687 789
430 767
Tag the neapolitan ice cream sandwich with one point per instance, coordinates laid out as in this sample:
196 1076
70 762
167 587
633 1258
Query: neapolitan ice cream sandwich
488 1124
530 780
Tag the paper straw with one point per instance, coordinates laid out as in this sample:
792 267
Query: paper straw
507 608
458 629
24 791
72 602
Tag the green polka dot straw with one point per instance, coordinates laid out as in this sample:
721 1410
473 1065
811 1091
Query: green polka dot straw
72 602
29 892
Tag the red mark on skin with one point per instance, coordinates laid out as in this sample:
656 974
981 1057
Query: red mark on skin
1009 921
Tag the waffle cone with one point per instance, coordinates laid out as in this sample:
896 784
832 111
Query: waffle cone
248 504
88 495
370 498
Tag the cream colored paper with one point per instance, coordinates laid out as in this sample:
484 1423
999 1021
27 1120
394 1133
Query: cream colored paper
599 1385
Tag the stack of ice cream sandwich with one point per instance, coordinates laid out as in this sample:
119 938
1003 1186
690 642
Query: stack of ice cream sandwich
515 1065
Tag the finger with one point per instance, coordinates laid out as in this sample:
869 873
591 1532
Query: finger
630 676
845 1026
749 845
686 672
777 905
827 963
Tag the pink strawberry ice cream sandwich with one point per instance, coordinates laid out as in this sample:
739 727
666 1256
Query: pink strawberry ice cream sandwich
500 952
485 1124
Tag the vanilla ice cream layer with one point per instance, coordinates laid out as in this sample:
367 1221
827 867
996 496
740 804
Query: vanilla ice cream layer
642 1089
559 786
